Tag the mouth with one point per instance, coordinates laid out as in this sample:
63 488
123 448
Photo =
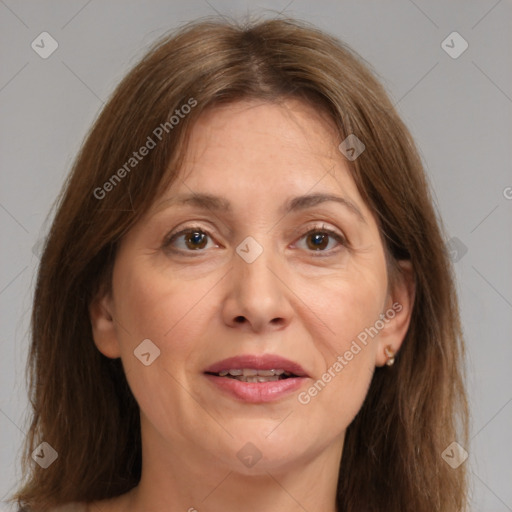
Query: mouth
253 375
256 379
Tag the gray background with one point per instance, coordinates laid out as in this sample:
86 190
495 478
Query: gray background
459 111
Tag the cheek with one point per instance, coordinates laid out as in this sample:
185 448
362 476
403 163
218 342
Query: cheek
168 311
347 304
174 315
349 307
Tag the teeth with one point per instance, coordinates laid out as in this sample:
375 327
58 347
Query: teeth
257 378
253 375
251 372
268 379
266 373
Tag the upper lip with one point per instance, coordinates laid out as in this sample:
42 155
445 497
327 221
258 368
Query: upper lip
258 362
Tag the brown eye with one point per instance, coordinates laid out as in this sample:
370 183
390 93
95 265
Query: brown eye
196 240
191 239
318 241
321 240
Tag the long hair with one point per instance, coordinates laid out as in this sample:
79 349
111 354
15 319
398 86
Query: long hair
81 402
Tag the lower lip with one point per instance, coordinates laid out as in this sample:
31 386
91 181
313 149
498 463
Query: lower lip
257 392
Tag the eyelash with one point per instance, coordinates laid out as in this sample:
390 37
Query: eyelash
317 229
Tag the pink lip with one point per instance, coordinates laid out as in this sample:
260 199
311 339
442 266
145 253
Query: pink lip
257 392
262 362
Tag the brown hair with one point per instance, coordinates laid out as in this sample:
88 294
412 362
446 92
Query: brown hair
82 404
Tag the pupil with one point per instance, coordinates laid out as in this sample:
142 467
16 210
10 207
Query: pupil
197 238
319 241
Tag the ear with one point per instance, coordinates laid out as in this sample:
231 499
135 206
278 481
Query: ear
103 326
398 311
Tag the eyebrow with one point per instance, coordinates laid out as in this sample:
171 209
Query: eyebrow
299 203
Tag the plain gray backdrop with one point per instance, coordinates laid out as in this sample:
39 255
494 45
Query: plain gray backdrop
458 109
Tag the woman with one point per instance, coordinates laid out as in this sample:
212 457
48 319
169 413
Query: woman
244 300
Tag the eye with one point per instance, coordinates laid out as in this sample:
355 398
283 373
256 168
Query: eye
194 238
320 238
190 239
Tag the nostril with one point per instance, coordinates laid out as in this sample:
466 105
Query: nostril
240 319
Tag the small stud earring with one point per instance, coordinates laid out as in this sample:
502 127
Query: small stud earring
390 355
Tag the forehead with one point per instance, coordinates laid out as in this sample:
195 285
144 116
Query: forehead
264 148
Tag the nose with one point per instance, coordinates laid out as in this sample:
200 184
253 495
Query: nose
257 298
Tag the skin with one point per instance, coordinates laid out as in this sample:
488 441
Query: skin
291 300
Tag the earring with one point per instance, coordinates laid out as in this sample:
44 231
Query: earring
390 355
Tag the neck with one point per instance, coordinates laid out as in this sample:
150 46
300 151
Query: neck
186 479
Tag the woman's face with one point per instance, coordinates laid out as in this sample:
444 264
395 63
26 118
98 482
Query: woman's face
244 257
